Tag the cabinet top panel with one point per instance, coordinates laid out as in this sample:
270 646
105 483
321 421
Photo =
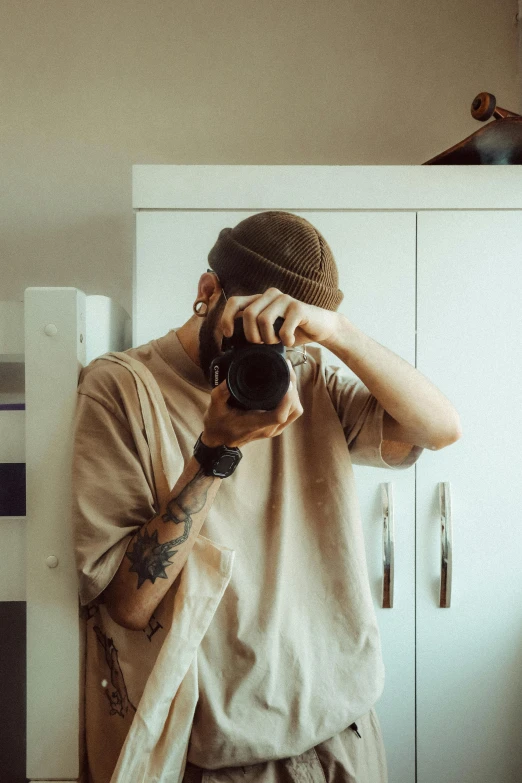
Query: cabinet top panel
327 187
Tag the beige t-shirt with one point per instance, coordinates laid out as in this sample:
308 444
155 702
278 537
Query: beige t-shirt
292 655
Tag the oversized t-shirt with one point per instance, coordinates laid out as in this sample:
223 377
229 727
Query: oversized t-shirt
292 655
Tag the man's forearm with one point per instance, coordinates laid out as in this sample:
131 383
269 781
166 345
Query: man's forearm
158 551
409 397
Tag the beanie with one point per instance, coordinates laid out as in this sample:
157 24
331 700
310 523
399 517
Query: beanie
278 249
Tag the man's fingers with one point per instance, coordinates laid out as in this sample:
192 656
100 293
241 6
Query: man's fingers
220 393
292 320
294 414
250 325
267 318
282 412
234 306
259 314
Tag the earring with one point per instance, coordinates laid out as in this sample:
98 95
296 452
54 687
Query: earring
197 311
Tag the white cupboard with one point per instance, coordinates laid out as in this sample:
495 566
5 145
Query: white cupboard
429 261
469 657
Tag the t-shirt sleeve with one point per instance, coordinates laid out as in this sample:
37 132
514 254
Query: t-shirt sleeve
361 416
111 497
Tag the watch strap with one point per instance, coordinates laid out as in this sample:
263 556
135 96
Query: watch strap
220 461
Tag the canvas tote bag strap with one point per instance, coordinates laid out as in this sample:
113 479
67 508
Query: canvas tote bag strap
161 438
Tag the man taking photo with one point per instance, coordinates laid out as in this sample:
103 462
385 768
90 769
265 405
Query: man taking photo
291 665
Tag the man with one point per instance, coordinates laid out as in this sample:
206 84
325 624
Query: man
291 666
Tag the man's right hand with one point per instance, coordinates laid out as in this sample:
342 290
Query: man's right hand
228 426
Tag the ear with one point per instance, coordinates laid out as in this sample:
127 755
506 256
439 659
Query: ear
209 288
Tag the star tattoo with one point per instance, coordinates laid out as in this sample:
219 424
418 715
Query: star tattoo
150 558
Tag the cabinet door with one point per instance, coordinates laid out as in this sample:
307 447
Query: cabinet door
375 253
469 656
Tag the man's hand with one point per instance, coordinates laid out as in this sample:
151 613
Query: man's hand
304 323
225 425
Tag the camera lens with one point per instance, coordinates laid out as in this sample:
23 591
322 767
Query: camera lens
256 377
259 378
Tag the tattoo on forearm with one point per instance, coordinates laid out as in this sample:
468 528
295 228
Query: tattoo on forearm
149 558
190 500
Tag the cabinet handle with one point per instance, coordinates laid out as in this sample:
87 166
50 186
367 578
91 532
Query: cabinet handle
388 545
446 544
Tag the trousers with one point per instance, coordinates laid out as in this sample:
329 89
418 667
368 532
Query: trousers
356 755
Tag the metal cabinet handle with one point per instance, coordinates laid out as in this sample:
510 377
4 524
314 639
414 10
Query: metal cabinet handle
388 545
446 544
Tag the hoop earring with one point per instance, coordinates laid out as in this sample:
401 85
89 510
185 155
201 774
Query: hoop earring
197 312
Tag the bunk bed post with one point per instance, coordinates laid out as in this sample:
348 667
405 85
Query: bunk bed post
55 352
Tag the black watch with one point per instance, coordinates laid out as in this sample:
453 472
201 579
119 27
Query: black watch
220 461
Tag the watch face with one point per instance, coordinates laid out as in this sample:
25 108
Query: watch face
225 465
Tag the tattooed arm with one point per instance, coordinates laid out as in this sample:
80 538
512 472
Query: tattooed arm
158 551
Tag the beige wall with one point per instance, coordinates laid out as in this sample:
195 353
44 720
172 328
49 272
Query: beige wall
90 87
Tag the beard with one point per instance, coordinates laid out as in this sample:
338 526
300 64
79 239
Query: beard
209 347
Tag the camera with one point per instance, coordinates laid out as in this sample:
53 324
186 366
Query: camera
257 375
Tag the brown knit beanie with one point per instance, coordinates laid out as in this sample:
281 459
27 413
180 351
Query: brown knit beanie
281 250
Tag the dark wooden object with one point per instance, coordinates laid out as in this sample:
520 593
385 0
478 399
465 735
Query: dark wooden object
498 143
13 691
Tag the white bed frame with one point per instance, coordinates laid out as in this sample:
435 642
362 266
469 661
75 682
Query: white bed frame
56 332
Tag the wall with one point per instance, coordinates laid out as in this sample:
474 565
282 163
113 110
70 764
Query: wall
89 88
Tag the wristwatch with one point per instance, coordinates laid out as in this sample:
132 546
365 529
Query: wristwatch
220 461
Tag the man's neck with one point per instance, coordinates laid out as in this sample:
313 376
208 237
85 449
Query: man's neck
188 335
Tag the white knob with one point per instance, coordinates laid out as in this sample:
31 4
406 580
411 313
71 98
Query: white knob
52 561
51 330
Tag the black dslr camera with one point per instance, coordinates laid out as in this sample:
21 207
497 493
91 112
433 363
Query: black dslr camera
257 375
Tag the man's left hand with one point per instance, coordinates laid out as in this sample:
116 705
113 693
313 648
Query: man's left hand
304 323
